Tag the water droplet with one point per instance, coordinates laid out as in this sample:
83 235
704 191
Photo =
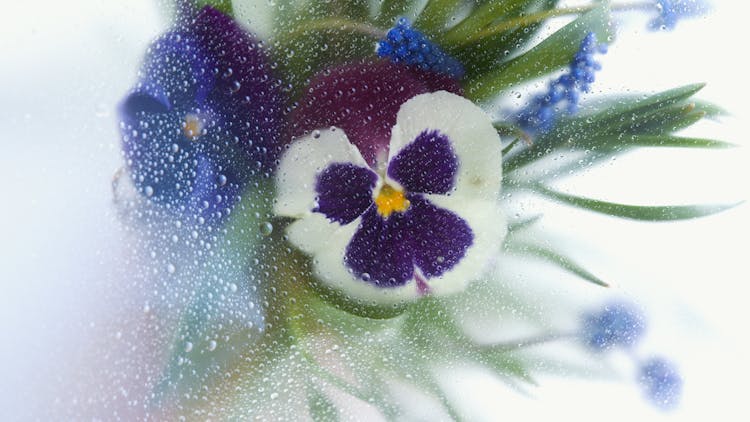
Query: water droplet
188 347
171 268
266 228
149 191
212 345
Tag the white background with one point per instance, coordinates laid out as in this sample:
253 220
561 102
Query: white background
65 65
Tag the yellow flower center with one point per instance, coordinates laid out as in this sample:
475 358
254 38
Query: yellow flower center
390 199
192 127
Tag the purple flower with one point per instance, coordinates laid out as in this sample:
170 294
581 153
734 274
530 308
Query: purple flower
616 324
363 99
204 118
661 382
424 219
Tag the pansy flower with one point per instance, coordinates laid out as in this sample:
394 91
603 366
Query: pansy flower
205 116
424 220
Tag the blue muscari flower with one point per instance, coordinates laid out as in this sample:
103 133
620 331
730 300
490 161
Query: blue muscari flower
671 11
661 382
404 44
204 118
541 113
616 324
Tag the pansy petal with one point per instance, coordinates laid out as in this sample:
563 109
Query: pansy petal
381 252
470 131
438 237
331 270
344 191
178 65
488 224
312 233
245 92
146 98
427 165
298 171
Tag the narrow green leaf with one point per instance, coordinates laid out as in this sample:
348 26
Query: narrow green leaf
655 115
504 363
482 16
635 212
556 258
510 146
321 407
549 55
626 141
436 15
523 224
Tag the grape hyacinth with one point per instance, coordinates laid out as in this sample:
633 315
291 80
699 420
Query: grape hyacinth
672 11
661 382
404 44
540 114
617 324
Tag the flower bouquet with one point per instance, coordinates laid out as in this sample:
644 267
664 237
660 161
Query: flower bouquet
323 196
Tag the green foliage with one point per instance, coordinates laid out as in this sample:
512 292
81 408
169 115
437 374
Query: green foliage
643 213
549 55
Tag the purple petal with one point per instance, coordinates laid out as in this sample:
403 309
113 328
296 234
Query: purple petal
245 92
344 191
363 99
427 165
380 252
385 252
438 237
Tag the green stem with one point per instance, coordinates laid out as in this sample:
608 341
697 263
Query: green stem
530 341
461 39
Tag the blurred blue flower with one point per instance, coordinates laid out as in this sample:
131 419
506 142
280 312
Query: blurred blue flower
542 112
204 118
616 324
403 44
672 11
661 382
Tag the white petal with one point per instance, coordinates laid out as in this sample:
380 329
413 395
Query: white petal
488 224
312 232
475 141
300 165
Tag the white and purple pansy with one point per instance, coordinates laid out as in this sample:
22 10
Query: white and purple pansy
425 221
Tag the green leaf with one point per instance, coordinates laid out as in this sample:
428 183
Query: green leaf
482 16
549 55
523 224
659 141
556 258
321 407
436 15
224 6
510 146
392 9
635 212
505 363
484 54
618 119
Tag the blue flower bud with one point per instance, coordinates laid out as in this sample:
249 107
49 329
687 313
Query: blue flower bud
661 382
404 44
617 324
